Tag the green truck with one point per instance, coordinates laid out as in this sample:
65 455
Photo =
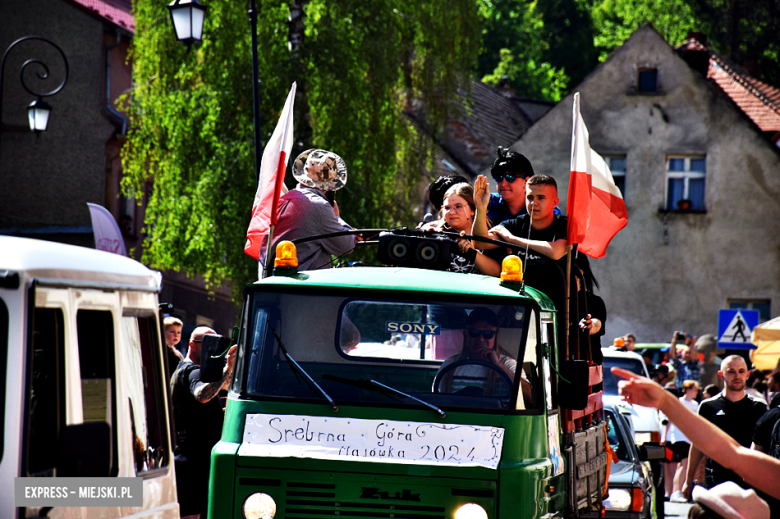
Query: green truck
359 392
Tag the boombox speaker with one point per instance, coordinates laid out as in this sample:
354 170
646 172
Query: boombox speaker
426 252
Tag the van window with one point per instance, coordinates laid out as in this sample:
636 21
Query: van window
144 380
46 392
4 332
95 329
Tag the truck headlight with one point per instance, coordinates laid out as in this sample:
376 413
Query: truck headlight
259 506
619 499
471 511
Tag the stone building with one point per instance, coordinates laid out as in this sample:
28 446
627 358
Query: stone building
691 139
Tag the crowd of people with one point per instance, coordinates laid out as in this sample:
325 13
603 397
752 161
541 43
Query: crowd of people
524 212
742 404
713 410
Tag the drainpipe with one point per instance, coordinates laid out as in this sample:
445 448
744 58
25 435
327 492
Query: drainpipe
108 84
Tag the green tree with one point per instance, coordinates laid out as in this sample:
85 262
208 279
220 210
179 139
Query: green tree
615 21
541 81
540 47
190 147
745 31
568 31
514 51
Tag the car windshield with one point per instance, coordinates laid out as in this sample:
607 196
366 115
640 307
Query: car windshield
396 352
627 363
616 439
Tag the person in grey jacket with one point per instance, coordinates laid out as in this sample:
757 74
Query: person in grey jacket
306 211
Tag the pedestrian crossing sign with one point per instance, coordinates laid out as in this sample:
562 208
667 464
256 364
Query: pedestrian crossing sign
735 327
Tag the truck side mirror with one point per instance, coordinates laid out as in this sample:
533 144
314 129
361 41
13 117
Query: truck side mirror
85 451
574 393
212 357
650 451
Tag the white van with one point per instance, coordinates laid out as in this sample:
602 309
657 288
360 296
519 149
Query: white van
82 388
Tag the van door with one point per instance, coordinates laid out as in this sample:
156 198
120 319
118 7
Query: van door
94 362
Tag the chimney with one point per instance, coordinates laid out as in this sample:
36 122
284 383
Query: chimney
694 52
698 36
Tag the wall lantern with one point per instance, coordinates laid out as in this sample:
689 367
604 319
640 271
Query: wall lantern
38 114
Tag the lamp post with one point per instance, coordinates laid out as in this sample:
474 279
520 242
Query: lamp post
38 111
187 17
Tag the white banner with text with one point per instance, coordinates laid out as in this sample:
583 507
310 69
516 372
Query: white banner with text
383 441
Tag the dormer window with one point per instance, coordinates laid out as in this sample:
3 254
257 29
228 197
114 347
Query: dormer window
647 80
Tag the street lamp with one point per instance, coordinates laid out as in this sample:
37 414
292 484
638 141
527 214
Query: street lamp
38 111
187 17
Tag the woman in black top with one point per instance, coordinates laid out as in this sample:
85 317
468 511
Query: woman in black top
457 214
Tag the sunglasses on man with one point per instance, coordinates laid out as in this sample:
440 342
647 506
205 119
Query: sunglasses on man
510 177
486 334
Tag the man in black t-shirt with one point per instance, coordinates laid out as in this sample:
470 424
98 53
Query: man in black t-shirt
545 261
735 413
762 434
762 442
198 415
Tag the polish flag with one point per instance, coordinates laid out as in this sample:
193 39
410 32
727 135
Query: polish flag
595 208
271 186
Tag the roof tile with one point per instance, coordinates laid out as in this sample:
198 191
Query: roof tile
115 11
758 100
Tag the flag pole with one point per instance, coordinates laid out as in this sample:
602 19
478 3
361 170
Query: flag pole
267 267
281 169
568 297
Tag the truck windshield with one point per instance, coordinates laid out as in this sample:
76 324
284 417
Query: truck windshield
369 352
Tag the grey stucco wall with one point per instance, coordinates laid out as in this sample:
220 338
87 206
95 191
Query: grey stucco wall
667 272
47 180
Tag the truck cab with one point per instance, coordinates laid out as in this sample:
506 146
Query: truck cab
83 391
362 392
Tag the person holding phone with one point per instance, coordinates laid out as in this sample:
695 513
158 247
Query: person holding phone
688 366
311 209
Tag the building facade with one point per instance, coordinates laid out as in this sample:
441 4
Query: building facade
701 181
48 179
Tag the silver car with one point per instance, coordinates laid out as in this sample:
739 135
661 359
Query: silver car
631 489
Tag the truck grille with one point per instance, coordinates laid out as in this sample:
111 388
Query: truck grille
312 500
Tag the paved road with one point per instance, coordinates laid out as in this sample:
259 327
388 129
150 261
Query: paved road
675 510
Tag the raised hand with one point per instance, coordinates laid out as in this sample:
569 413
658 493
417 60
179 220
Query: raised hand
481 192
640 390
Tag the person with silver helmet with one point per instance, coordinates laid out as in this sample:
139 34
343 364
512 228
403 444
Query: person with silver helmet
306 211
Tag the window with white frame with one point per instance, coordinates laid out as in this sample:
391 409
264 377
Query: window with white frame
685 183
617 165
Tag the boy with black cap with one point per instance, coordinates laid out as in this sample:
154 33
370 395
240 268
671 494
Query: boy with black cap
510 170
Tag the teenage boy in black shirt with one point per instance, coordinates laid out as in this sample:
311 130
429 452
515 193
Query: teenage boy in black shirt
735 413
547 242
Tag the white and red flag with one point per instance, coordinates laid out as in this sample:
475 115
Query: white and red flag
271 186
595 208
